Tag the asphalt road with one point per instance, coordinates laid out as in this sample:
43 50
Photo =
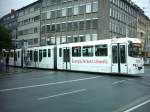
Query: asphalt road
48 91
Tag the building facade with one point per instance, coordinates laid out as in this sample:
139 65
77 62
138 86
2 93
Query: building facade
29 24
64 21
9 21
148 55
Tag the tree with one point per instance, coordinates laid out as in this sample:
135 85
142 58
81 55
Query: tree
5 38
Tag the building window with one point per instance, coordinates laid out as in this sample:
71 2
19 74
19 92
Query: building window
63 39
88 37
76 10
64 26
35 40
58 13
44 16
75 39
88 8
69 26
36 18
82 38
88 24
53 28
95 23
95 7
81 25
57 27
94 37
87 51
82 9
35 30
48 28
69 39
64 12
53 14
70 11
75 26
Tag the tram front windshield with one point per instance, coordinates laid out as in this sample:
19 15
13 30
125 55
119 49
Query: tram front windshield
135 50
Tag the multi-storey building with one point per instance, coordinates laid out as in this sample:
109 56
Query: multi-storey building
9 21
29 24
84 20
142 29
68 21
148 55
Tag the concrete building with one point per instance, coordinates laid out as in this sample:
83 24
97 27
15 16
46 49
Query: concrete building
29 24
9 21
65 21
84 20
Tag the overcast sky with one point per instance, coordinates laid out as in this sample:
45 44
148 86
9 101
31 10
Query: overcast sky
7 5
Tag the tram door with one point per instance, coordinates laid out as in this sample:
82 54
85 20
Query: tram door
66 58
119 58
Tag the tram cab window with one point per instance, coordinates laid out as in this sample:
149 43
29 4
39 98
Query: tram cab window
101 50
35 56
40 55
87 51
76 51
31 55
49 52
60 52
44 53
135 50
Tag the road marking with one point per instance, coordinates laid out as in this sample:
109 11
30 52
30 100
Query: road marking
48 84
132 104
137 106
118 82
62 94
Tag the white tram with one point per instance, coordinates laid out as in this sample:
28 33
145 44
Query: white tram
122 55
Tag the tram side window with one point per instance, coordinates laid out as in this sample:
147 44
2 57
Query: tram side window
122 53
18 54
60 52
49 52
44 53
114 54
76 51
35 56
101 50
31 55
87 51
11 54
15 56
40 55
4 54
